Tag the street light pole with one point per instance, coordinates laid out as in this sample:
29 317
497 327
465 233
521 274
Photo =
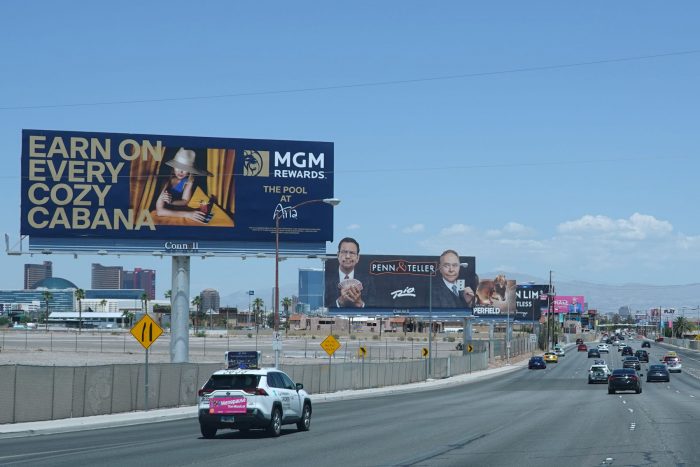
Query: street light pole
278 214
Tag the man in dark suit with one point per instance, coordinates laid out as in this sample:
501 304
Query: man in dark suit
346 287
449 290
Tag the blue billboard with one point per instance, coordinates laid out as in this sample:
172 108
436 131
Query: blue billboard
116 187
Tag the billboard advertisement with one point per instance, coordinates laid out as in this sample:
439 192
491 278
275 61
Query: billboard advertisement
531 301
568 304
495 298
77 185
354 281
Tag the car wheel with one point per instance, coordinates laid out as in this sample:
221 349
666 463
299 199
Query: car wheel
611 391
208 431
275 426
305 423
639 391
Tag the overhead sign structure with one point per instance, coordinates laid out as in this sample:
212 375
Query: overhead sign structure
146 331
178 194
330 344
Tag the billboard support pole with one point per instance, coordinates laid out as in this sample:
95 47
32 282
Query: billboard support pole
430 331
180 310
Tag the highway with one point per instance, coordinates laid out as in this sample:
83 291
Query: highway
523 418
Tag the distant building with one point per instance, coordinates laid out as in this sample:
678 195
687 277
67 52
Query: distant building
140 279
33 273
106 277
116 278
310 289
210 300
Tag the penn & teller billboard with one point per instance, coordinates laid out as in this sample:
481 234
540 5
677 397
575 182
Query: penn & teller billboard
139 186
355 281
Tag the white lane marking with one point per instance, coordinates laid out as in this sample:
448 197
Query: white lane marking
607 461
624 401
633 426
631 410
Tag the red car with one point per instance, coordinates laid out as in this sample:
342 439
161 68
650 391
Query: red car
582 348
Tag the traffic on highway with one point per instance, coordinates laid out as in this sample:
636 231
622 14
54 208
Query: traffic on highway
542 417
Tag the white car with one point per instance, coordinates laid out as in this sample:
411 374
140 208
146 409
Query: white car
560 351
598 374
242 399
603 348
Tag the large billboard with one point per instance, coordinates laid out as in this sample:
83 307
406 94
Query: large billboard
568 304
531 301
80 185
359 283
495 298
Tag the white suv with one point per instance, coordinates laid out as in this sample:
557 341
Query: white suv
603 348
252 398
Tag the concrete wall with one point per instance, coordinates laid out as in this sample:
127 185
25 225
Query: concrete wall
34 393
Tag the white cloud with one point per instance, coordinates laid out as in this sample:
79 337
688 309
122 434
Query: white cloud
637 227
353 227
456 229
415 228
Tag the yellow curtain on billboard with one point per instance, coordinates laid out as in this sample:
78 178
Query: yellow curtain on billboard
221 184
143 181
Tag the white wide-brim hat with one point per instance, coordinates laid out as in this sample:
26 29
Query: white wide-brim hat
184 160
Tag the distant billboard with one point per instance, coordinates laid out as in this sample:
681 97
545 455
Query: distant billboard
129 187
531 301
354 282
495 298
568 304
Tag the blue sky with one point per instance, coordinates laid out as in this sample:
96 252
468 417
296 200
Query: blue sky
535 136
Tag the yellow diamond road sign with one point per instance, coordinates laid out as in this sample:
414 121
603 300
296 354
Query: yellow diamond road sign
330 345
146 331
362 351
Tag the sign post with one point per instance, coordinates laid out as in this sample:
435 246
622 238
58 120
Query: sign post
330 345
146 331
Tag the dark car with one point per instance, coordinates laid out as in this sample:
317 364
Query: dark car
646 344
536 363
593 353
582 348
658 373
642 355
631 362
624 379
627 351
579 341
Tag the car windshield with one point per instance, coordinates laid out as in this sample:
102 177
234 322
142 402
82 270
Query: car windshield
657 368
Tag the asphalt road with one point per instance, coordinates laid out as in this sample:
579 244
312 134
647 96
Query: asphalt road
524 418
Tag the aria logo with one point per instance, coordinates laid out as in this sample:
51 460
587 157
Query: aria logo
256 163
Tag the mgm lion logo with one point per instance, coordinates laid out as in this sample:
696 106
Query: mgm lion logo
256 163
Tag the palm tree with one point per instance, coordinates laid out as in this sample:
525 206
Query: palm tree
128 316
169 294
47 296
286 303
144 302
80 295
197 302
258 304
680 327
103 303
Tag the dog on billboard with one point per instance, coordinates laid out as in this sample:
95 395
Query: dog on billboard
492 289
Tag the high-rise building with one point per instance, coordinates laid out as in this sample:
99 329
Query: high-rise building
210 300
107 277
140 279
33 273
311 288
